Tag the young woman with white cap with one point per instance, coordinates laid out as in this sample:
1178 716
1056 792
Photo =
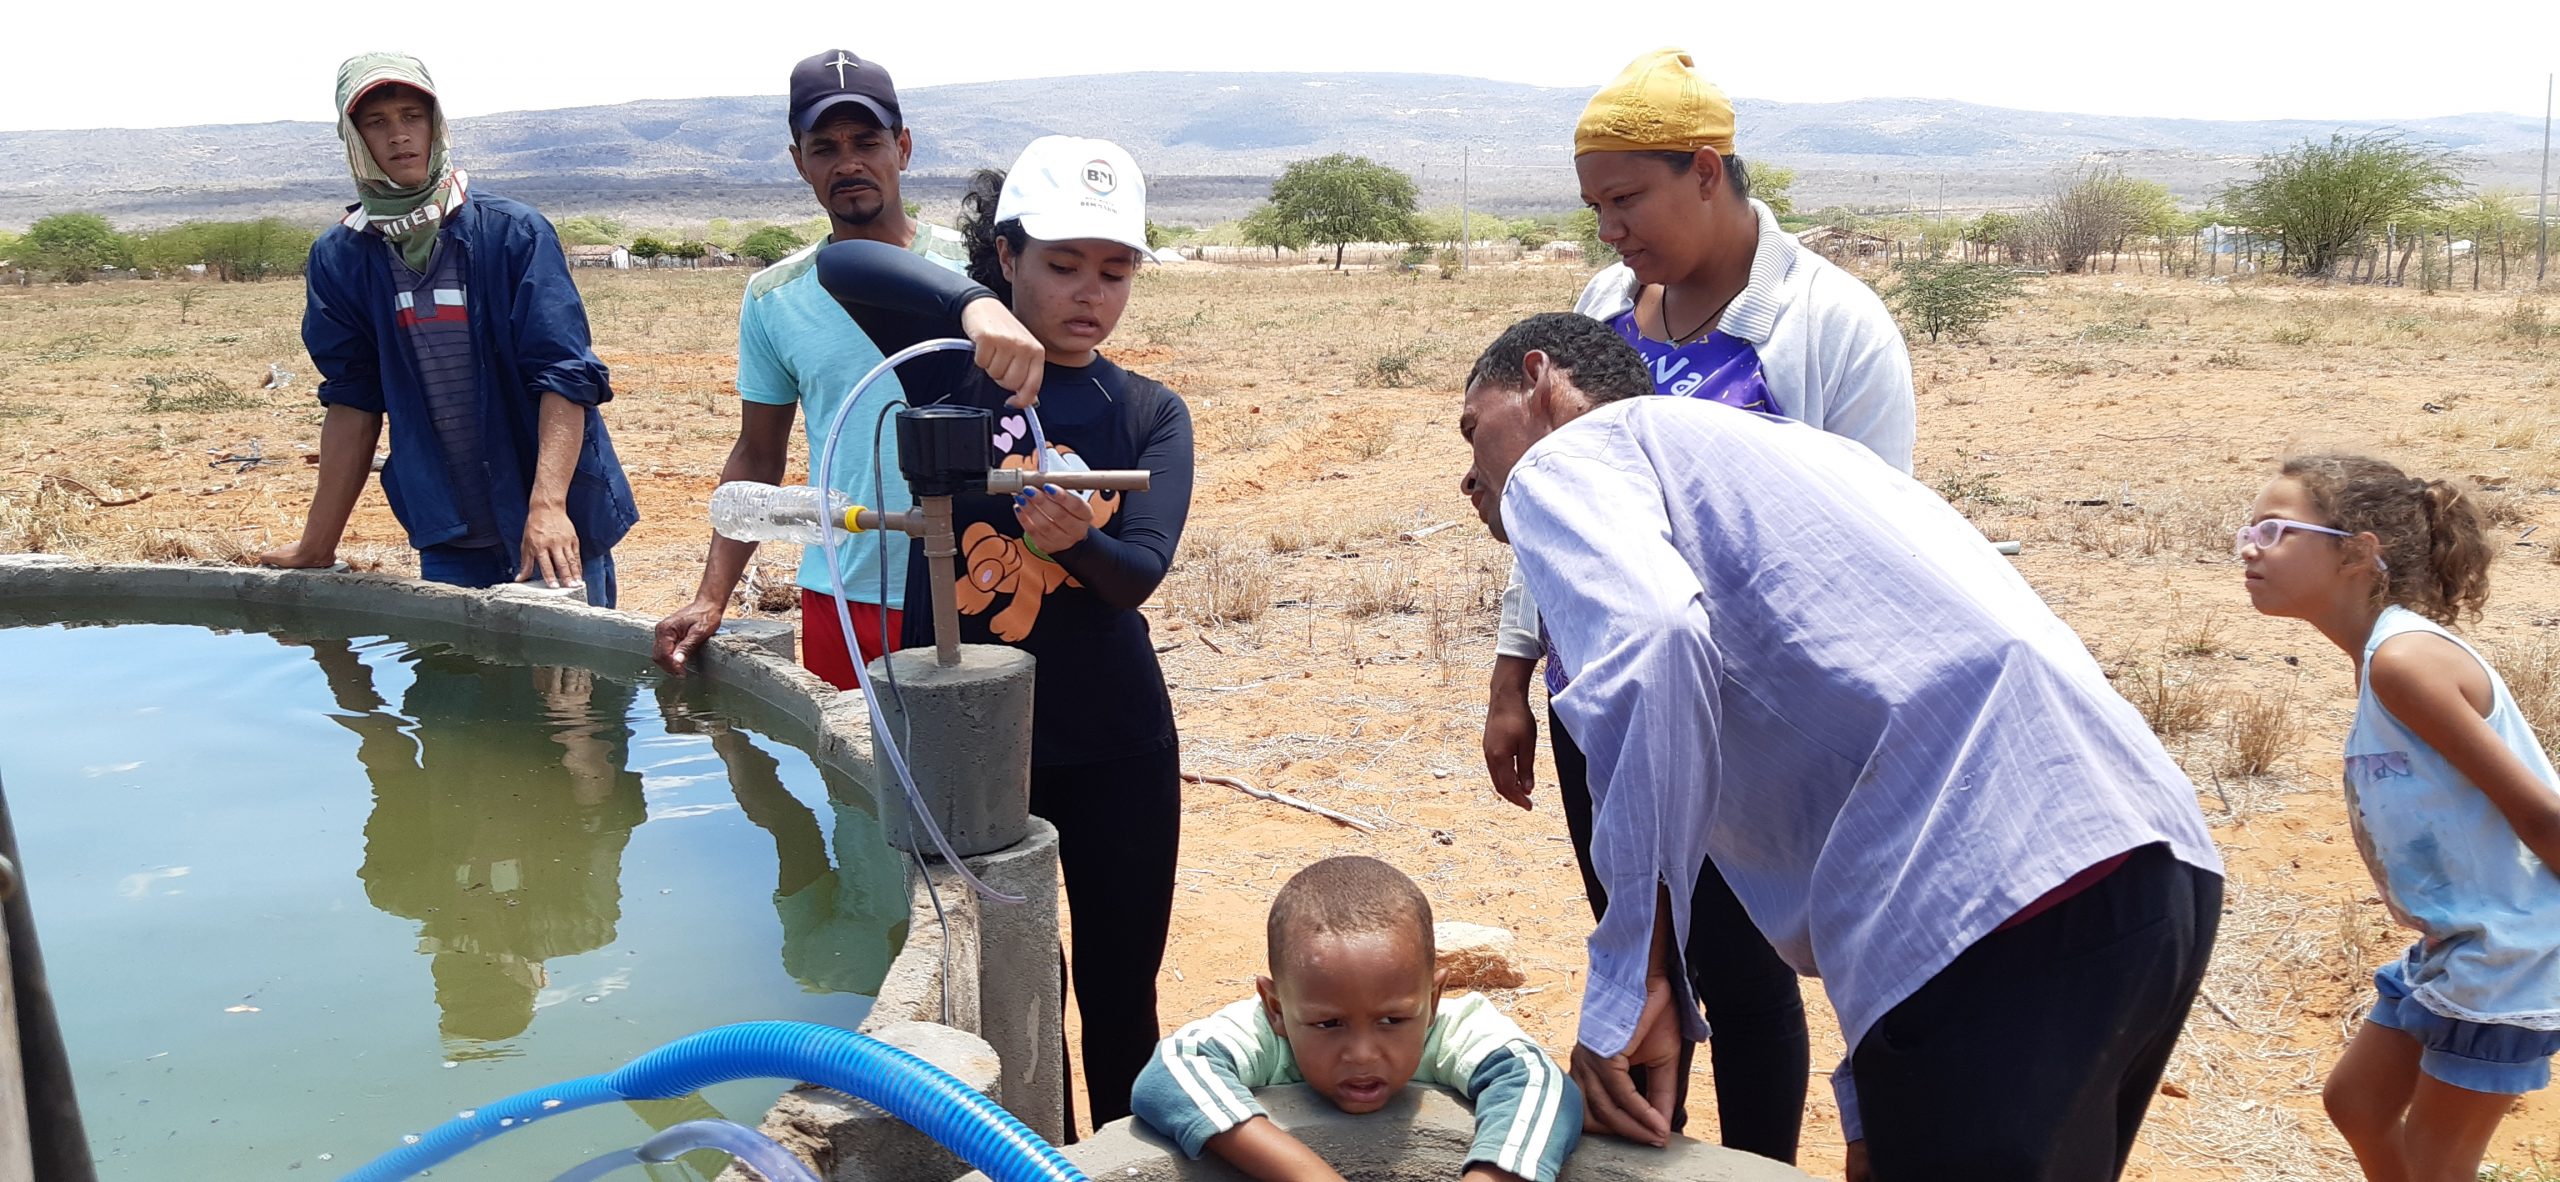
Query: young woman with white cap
1053 245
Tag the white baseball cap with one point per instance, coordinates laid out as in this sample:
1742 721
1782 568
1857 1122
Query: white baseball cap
1066 187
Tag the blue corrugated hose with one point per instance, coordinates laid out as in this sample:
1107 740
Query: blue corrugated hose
924 1096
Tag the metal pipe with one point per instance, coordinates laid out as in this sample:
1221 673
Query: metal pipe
940 546
1005 482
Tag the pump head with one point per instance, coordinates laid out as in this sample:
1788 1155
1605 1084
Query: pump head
942 450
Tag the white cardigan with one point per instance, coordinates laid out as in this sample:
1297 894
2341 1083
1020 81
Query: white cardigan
1830 353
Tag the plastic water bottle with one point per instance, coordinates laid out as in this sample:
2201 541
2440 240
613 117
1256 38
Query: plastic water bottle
745 511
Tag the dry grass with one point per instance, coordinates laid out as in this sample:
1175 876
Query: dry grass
2202 637
2174 704
2100 387
2258 732
1350 536
1239 432
2531 669
1379 588
1228 583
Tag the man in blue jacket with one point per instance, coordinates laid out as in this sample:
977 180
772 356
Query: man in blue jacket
451 314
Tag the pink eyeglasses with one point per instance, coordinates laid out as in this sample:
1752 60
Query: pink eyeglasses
2265 534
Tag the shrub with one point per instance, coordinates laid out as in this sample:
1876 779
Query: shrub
1950 299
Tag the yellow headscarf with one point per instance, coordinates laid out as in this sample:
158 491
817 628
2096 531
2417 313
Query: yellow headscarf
1657 104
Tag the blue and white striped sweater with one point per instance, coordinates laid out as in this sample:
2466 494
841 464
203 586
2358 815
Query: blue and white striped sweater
1201 1081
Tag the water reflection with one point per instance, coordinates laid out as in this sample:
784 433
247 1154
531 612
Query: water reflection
503 798
833 911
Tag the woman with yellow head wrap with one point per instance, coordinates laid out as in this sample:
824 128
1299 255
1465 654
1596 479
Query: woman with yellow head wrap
1726 307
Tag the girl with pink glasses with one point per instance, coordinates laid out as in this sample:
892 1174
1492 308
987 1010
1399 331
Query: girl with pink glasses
2453 803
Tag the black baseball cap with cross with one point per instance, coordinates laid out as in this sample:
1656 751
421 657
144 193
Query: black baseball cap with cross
823 82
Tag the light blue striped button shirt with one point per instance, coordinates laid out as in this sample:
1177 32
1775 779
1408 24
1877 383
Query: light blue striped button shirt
1790 657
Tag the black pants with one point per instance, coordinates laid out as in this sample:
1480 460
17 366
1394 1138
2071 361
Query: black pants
2034 1054
1119 826
1760 1051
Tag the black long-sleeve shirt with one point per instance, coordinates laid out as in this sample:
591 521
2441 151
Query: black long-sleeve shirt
1098 691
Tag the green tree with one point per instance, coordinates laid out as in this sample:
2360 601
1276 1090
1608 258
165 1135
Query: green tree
170 250
1157 236
588 229
2154 213
689 251
648 247
1583 226
1775 187
2327 200
1445 225
8 246
1950 299
250 251
73 246
2498 226
1992 231
1439 225
234 251
770 245
1265 226
1532 234
1341 199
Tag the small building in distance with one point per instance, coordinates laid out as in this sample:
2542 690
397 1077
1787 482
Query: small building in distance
616 257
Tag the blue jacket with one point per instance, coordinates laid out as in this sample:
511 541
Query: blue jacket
530 335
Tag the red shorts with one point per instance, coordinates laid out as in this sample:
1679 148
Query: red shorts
822 639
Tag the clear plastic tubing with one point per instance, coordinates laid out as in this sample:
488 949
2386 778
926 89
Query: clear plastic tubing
744 1145
823 476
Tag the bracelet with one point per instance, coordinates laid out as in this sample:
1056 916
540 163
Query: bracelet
1036 551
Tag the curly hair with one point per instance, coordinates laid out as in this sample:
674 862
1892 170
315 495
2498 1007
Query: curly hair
1602 364
980 230
2433 539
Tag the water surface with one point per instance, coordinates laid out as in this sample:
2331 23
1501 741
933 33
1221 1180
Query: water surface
302 892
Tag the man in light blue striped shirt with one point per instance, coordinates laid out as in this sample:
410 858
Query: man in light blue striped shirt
1789 657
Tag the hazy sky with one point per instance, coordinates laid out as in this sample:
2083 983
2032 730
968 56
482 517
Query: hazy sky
157 64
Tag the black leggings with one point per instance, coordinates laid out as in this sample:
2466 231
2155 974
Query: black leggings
1760 1051
1119 827
2033 1056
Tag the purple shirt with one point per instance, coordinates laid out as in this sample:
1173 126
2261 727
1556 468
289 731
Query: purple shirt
1714 368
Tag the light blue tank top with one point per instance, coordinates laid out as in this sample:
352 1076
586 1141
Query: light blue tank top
2487 909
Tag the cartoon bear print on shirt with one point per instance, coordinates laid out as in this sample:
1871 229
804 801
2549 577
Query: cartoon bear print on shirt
993 563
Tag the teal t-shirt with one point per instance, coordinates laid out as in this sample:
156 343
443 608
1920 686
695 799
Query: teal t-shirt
795 344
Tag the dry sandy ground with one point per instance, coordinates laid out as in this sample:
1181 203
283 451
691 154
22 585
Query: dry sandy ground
2117 424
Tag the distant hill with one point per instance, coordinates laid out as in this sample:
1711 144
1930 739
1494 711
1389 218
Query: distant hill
1210 140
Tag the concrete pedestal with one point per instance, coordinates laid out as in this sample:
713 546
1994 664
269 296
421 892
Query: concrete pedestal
966 732
1021 1007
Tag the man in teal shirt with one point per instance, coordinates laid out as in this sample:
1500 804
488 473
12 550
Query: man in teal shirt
797 348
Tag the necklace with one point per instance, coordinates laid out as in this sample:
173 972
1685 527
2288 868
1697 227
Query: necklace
1703 325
